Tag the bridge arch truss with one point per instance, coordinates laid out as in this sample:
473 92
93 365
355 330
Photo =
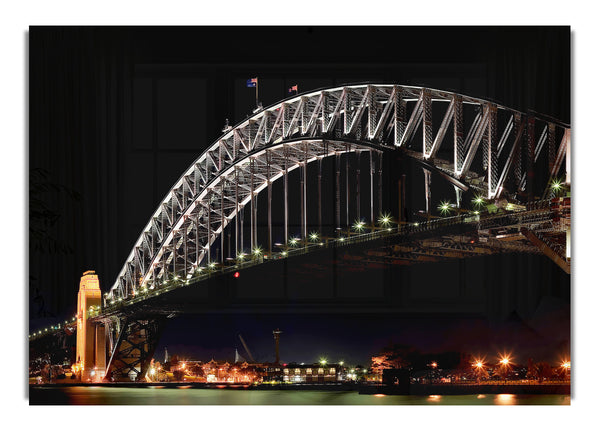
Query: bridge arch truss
494 150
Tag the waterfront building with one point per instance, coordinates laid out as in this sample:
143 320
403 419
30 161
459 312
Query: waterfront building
313 373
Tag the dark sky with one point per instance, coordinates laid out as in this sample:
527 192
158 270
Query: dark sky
117 114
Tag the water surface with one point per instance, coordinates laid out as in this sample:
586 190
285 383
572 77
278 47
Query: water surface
96 395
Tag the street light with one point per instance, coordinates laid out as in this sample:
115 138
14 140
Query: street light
479 369
505 361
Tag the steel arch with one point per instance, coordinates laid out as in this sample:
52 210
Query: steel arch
308 127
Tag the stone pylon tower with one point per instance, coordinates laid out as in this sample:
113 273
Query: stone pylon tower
91 338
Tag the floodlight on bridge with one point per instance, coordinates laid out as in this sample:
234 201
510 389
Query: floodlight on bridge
478 201
385 220
359 226
444 208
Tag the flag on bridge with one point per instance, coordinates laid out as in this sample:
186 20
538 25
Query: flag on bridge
292 89
252 82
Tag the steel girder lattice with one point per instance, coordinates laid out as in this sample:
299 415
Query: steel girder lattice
134 348
303 129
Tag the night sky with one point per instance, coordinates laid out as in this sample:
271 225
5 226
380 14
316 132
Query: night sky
117 114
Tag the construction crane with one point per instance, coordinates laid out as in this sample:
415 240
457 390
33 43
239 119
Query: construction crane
246 348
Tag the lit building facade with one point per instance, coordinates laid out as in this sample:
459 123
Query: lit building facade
314 373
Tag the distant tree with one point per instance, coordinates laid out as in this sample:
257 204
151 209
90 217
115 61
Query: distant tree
196 370
178 375
389 358
465 363
531 371
543 371
172 363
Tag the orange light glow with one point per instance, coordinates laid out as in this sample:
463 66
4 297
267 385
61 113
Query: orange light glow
505 359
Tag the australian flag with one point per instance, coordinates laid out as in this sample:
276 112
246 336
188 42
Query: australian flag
252 82
292 89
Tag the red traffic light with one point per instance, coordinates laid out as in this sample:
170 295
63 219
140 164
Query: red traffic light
236 274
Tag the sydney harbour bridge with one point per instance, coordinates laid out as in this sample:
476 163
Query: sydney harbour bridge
493 180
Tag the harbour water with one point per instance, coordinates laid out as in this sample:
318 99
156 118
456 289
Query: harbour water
187 395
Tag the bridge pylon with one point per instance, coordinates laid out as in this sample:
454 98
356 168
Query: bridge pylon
91 337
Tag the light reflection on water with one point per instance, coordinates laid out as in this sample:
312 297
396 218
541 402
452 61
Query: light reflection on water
505 399
192 396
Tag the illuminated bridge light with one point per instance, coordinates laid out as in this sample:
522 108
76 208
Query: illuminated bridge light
444 208
293 241
359 226
385 220
478 201
556 185
314 236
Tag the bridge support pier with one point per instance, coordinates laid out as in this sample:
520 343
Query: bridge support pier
134 349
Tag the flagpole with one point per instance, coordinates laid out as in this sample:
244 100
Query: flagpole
257 92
